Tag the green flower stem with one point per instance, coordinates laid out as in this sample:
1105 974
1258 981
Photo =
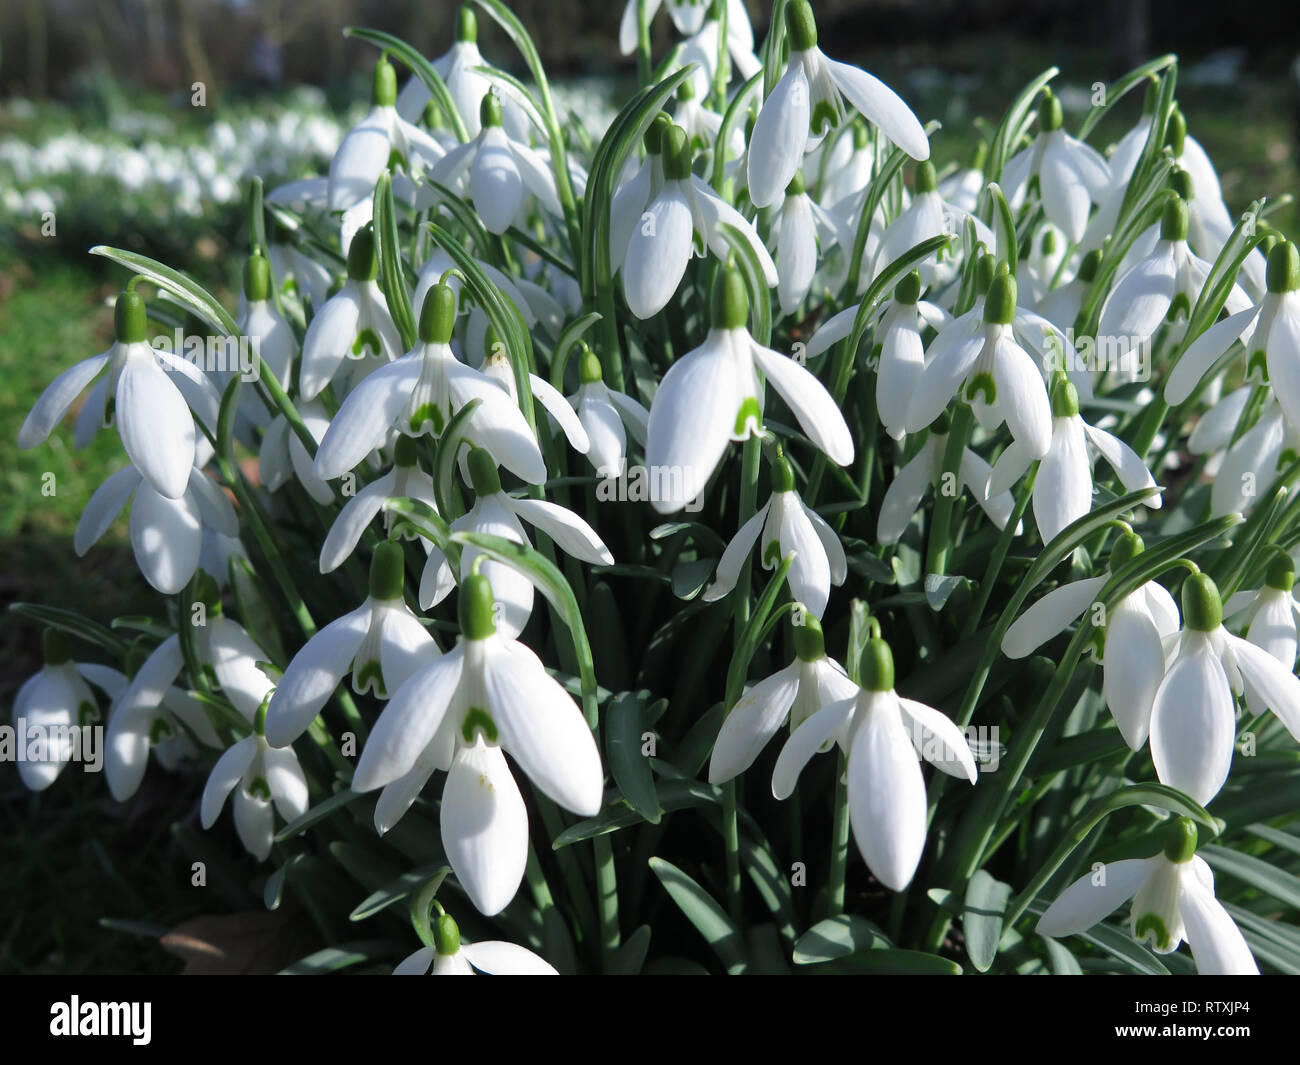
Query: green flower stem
999 555
940 546
839 840
644 60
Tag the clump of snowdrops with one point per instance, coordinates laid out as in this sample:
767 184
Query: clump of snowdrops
741 538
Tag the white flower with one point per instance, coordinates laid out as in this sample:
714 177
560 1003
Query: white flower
713 395
1063 488
404 481
502 171
1137 630
795 230
687 16
784 525
498 368
1193 719
297 272
283 455
1061 306
261 776
452 956
498 514
354 326
661 245
366 150
146 391
1173 899
607 415
701 47
419 393
487 696
1242 469
882 734
1268 616
166 534
810 97
808 684
1270 331
381 641
1071 175
273 339
924 471
49 706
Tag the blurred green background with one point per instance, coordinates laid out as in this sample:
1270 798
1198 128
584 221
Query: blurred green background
99 134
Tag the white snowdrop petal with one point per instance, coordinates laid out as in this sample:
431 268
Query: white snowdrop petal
155 425
1193 724
776 145
1092 898
58 396
882 107
1214 938
751 723
166 535
1134 668
313 675
484 827
807 740
498 958
1050 615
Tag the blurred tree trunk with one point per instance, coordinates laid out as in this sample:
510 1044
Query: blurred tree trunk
196 60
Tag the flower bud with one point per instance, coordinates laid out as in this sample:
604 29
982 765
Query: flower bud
1281 572
1000 303
800 26
489 111
1128 546
1065 398
1283 273
908 290
1050 115
1180 839
384 90
590 371
925 179
466 26
1173 223
676 148
446 935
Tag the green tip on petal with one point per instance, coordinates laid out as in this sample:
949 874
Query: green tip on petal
1000 303
257 278
1283 273
1088 267
438 315
130 322
800 26
1127 547
809 640
676 148
908 291
1176 133
1050 115
1202 605
589 369
405 452
466 25
655 134
477 608
489 111
363 264
926 179
1180 839
387 571
1173 223
730 300
797 185
1065 398
55 648
446 935
1281 572
384 88
483 476
877 666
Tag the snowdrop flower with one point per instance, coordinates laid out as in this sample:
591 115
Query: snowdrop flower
1247 465
1268 617
381 641
1161 286
1037 270
713 395
296 272
284 457
368 147
660 248
783 526
502 171
465 84
1063 488
420 393
701 47
49 705
498 367
1002 381
1270 331
1173 899
404 481
1061 306
487 697
273 339
809 98
452 956
166 534
796 229
639 190
808 684
607 415
1136 631
701 124
687 16
1193 721
1071 175
147 392
882 735
259 775
925 471
852 162
964 187
353 325
498 514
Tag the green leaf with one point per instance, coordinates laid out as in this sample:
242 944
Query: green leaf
986 902
672 795
838 937
73 624
398 889
1116 92
1013 125
345 955
317 813
631 769
1255 873
392 280
450 502
629 958
892 962
704 913
255 610
177 285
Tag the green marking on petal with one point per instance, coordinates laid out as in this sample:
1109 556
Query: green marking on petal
370 677
366 339
1150 923
87 713
982 383
258 788
160 730
824 118
477 721
427 414
749 412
